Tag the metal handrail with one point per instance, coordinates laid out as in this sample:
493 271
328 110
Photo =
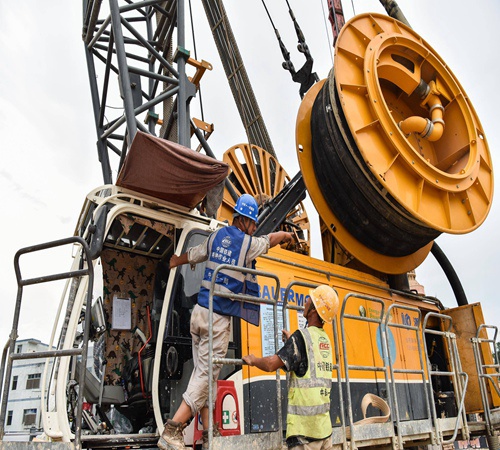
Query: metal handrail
286 295
212 360
2 371
459 388
336 366
480 366
89 271
359 282
420 371
348 366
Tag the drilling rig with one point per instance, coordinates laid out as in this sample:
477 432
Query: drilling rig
391 153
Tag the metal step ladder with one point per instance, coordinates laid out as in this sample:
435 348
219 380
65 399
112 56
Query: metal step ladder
338 433
383 432
458 377
270 440
488 375
406 429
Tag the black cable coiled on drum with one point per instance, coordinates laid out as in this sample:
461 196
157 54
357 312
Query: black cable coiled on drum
361 204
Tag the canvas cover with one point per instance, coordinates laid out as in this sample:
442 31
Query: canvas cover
169 171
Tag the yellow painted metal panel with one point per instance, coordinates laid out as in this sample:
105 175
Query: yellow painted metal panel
466 321
362 346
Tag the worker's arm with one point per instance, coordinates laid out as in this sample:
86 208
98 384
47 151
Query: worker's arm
267 364
178 260
278 237
193 256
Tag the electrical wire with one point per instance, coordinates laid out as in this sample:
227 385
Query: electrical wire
304 76
268 15
326 29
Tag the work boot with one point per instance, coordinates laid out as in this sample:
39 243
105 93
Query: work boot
204 436
172 437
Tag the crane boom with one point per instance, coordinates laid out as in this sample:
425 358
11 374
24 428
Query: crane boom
237 76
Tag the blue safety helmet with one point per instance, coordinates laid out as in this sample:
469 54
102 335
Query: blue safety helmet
247 206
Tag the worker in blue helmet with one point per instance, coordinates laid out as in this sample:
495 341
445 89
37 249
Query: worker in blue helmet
236 246
247 206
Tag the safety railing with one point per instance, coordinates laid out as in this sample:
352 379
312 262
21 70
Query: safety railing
486 372
336 366
459 386
9 356
406 324
371 368
234 361
397 430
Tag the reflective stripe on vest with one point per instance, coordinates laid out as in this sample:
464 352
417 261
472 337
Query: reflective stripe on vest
228 245
309 396
238 277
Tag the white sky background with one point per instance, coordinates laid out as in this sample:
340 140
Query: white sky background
47 135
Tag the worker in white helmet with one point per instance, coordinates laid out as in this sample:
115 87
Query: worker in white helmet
307 356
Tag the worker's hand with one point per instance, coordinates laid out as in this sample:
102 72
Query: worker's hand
174 261
285 335
249 359
289 237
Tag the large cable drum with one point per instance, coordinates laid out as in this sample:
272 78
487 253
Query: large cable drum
255 171
390 147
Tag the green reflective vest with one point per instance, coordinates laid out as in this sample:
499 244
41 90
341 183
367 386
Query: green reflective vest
309 396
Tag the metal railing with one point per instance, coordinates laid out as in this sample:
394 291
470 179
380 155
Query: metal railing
416 371
232 361
336 366
482 370
459 386
396 432
7 361
348 367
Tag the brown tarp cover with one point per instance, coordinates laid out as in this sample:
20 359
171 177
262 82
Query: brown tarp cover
169 171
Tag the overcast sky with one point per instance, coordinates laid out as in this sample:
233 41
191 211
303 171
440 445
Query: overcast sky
47 136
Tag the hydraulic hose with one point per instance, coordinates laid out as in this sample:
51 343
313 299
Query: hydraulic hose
450 273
